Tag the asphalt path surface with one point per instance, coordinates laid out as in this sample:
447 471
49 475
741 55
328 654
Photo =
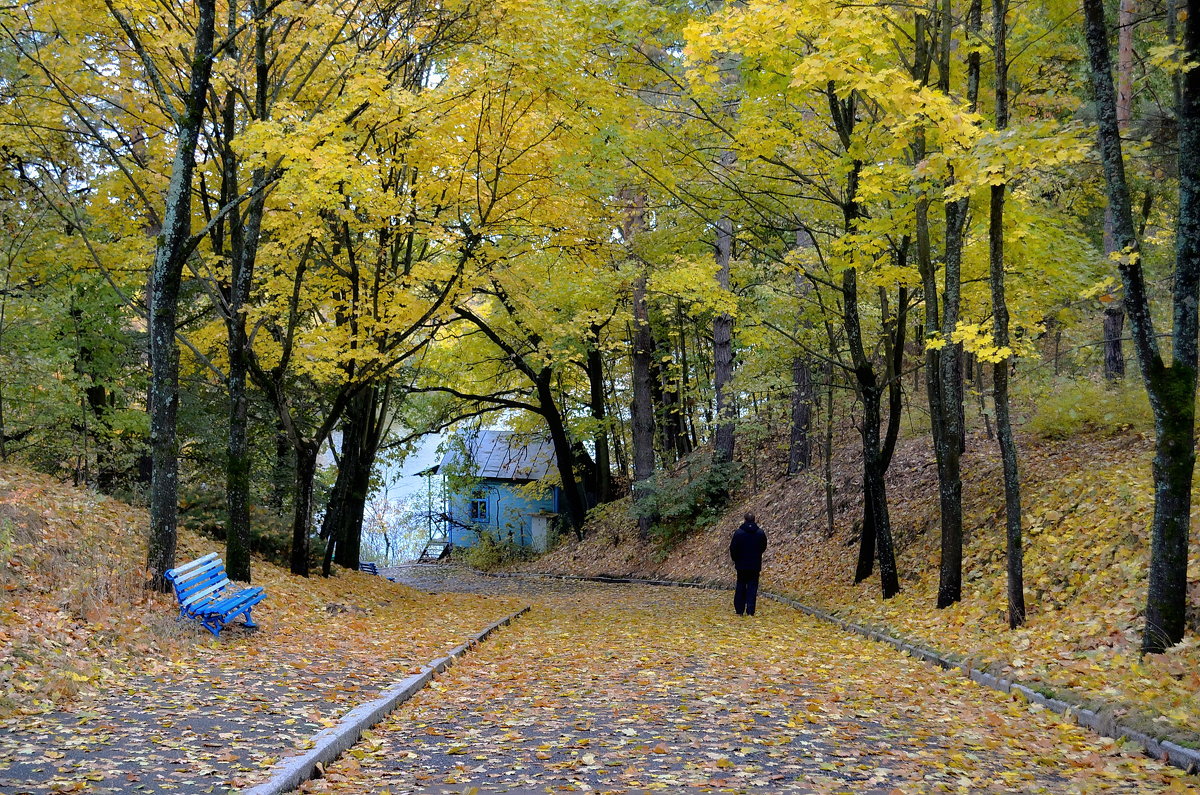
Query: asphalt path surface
622 688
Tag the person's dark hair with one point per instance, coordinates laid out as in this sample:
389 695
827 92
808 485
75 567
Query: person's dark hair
750 518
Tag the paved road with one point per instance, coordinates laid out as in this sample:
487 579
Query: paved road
613 688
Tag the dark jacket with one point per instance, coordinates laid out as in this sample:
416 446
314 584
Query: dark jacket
747 547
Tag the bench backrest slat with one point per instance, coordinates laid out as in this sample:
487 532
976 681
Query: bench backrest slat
200 583
176 572
202 592
208 577
200 596
200 574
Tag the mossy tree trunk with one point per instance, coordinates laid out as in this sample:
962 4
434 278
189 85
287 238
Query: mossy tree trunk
1171 388
1004 431
173 248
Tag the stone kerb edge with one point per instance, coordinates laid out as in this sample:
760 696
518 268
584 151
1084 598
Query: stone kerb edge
330 743
1187 759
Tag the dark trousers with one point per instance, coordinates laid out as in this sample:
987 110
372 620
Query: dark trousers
745 595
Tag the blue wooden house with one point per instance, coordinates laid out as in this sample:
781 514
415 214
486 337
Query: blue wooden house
491 481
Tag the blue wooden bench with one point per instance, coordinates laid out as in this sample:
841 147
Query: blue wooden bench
371 567
206 594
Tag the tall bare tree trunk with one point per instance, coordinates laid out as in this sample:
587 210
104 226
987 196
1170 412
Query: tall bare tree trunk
564 452
723 437
828 451
642 364
595 372
1172 390
245 231
945 368
362 432
1114 308
306 471
1004 431
165 277
800 445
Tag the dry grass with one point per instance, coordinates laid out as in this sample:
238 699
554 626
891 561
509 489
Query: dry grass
75 617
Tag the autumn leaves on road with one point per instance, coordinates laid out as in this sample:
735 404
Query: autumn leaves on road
624 689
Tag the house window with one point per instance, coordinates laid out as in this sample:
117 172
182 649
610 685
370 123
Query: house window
479 510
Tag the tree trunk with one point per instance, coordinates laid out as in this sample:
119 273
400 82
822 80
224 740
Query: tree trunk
1172 390
949 438
865 566
1004 432
800 447
687 424
282 474
165 277
238 460
877 534
893 344
342 523
723 437
642 366
1174 463
876 540
244 233
877 530
1114 331
563 453
828 451
1114 310
306 471
354 511
1174 394
945 446
595 371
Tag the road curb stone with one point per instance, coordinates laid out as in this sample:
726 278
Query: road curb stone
330 743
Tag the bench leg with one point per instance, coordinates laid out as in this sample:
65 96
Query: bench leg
249 621
212 626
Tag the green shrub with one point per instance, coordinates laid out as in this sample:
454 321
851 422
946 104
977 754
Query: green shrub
489 554
681 504
1071 407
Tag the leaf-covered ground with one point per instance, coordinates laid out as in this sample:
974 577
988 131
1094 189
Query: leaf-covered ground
105 691
626 689
1087 504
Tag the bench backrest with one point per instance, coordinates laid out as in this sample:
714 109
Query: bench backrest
198 580
368 566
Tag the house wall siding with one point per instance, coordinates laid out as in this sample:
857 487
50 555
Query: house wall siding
509 510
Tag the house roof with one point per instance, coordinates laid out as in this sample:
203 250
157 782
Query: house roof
504 455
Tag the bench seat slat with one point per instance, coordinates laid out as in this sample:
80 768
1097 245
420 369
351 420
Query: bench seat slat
231 605
220 602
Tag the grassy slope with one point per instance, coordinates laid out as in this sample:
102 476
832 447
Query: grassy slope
74 618
1087 506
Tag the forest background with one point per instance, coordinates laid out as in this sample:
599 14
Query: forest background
665 235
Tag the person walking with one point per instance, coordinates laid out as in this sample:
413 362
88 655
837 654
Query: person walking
746 548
